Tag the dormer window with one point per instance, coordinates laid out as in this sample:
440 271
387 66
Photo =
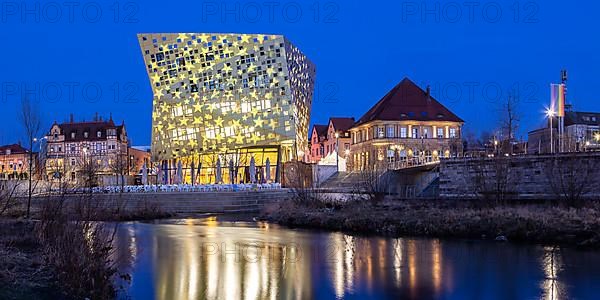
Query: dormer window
73 135
7 151
99 133
56 136
85 134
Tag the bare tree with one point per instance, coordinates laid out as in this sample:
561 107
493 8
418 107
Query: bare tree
88 169
509 122
31 121
374 182
570 176
119 166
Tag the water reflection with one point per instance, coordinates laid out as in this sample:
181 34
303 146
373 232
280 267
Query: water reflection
209 259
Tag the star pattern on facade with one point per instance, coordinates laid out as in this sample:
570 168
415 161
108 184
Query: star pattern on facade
223 91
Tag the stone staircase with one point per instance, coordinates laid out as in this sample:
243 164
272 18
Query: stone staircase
343 182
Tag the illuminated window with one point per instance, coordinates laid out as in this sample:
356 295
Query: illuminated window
452 132
403 132
440 133
390 131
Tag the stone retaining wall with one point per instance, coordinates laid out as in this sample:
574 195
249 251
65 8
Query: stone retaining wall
182 202
522 177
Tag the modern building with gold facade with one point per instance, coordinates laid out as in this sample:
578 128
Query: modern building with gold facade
223 100
407 127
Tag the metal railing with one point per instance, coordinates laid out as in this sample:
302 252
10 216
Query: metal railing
411 163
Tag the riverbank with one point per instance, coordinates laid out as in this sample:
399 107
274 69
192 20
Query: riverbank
24 274
540 223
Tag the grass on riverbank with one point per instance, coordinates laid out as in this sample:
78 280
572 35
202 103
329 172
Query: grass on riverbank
24 274
543 223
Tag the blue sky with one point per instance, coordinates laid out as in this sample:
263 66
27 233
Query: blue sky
63 55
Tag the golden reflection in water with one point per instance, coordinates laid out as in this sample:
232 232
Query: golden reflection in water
398 260
412 267
201 261
436 266
551 264
350 249
337 259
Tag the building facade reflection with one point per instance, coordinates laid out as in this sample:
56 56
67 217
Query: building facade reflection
212 259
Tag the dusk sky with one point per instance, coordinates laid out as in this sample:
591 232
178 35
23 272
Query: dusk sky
466 53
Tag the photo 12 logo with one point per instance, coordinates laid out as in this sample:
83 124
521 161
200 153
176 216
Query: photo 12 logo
469 12
488 92
270 12
69 92
68 12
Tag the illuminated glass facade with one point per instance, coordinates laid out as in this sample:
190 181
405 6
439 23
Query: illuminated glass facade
221 99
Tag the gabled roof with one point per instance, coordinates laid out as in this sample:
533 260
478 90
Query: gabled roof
91 128
321 130
342 124
407 101
14 149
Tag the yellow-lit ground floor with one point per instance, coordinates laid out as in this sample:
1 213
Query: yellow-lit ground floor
246 165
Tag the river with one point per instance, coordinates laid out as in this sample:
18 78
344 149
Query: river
210 258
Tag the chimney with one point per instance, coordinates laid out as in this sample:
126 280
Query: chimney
71 118
96 117
428 91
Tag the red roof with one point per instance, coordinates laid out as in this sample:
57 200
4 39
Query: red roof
407 101
321 130
342 124
14 149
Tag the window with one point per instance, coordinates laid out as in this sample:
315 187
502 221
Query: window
85 134
73 176
403 132
72 135
452 132
425 132
390 131
59 148
380 132
440 133
415 133
72 161
99 134
391 155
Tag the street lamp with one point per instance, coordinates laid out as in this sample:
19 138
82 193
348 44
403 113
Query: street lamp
550 114
337 150
495 146
587 145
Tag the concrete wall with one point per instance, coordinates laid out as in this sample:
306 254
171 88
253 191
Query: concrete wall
522 177
200 202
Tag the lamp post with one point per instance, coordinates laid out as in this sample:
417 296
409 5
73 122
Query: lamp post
337 150
550 113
